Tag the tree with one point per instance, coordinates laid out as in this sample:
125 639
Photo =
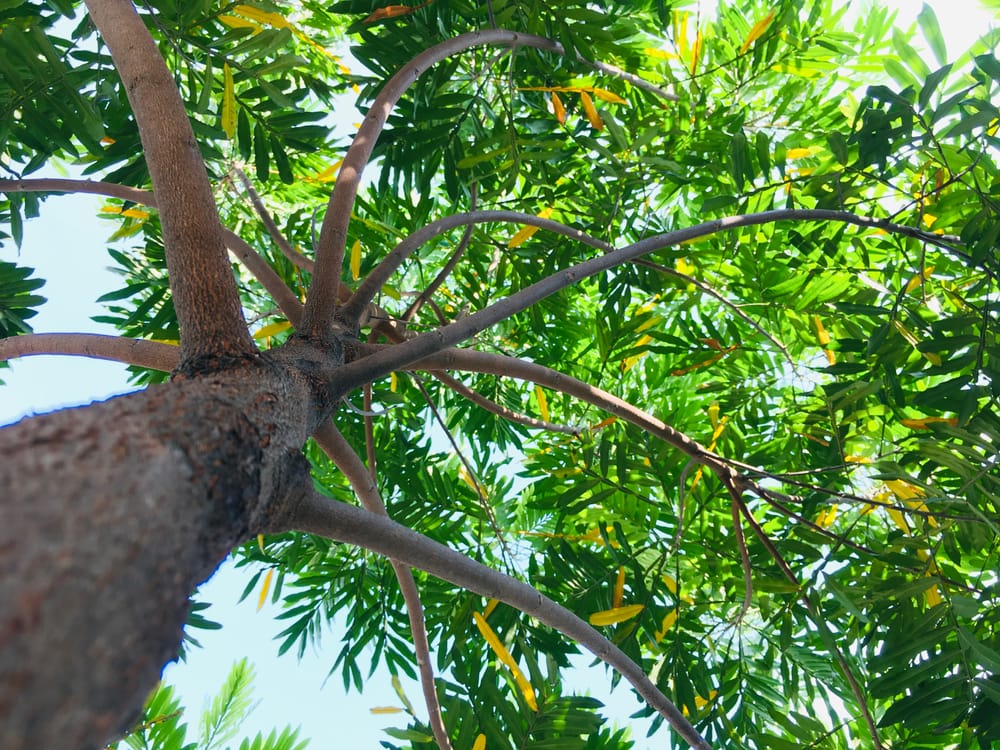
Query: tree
736 312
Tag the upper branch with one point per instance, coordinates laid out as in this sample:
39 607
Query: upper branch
140 352
204 290
356 373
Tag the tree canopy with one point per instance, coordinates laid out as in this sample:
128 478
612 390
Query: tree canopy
685 319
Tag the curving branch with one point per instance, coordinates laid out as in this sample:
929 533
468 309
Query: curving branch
90 187
502 411
323 293
353 375
379 275
362 481
315 514
140 352
200 276
286 300
297 258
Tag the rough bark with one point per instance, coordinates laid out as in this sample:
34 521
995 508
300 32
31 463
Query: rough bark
111 515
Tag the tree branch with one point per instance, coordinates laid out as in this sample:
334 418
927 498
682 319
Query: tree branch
502 411
362 480
297 258
139 352
286 300
353 375
200 277
315 514
379 275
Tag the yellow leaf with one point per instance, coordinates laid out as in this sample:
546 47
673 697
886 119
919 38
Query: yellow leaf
928 220
857 460
822 336
235 22
671 584
480 743
607 96
111 209
616 615
274 20
800 153
903 490
329 174
603 423
385 710
683 266
228 102
136 213
272 329
921 424
756 31
700 702
265 589
619 593
914 282
696 52
526 232
831 357
400 693
393 382
558 109
629 362
588 107
356 260
713 414
490 606
827 517
504 656
260 542
543 404
668 622
659 53
932 596
107 141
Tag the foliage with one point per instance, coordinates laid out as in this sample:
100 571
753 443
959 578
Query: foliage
850 372
161 726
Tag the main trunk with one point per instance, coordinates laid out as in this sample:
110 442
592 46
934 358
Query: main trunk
110 515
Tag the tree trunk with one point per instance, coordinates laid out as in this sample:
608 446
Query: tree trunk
111 515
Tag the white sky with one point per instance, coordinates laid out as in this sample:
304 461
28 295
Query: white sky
68 247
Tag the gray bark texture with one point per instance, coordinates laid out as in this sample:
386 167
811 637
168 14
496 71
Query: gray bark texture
110 516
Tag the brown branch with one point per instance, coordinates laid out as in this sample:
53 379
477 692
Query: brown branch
139 352
90 187
315 514
323 293
379 275
204 290
445 272
816 616
286 300
362 480
492 406
353 375
297 258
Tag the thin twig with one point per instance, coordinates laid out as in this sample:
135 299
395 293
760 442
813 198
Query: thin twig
492 406
478 486
297 258
362 480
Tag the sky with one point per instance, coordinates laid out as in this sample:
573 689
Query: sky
67 246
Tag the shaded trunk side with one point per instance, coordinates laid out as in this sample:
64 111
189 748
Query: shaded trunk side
110 516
